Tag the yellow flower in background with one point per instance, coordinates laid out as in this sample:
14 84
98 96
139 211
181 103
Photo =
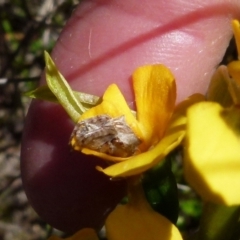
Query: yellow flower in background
155 126
224 87
212 150
137 220
212 156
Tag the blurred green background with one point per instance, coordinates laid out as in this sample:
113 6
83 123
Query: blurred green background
27 27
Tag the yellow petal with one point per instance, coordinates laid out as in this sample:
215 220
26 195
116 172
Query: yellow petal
236 31
179 116
137 221
234 71
155 95
84 234
103 155
221 88
212 163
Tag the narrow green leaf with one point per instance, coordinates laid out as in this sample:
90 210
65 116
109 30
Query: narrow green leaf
44 93
61 89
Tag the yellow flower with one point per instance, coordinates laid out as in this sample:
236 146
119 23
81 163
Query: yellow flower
212 159
154 124
212 151
137 220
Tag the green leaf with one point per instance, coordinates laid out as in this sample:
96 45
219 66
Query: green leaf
44 93
61 89
160 188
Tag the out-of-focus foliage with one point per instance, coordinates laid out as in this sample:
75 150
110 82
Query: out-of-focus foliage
27 28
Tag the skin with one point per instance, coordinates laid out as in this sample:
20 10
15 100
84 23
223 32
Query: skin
103 42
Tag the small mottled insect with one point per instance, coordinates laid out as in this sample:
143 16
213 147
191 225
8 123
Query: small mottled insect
105 134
